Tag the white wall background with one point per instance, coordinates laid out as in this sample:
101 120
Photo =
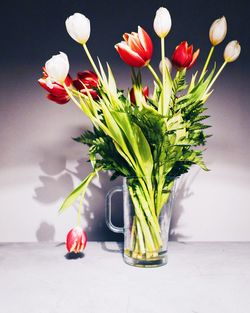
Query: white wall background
40 164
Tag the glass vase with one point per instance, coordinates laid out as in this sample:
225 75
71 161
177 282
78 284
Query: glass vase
147 215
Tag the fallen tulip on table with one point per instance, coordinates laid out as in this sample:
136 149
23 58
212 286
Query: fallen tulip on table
76 240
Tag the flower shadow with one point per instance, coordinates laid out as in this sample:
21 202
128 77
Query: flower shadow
58 180
182 192
45 232
118 248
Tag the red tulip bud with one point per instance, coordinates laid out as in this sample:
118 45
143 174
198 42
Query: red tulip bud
183 56
89 80
136 49
76 240
145 92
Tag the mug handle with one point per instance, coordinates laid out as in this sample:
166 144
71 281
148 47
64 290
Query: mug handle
108 210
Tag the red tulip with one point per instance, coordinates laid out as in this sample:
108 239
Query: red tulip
76 240
89 80
145 92
57 93
137 49
183 56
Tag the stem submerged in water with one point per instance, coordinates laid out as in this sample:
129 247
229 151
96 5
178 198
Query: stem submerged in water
146 236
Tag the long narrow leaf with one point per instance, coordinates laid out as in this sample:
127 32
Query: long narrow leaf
81 189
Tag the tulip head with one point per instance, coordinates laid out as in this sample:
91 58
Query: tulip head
232 51
78 27
57 69
184 57
76 240
145 92
162 22
136 49
218 31
87 80
167 63
57 92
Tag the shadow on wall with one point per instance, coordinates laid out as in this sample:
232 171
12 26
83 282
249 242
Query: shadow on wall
45 232
57 183
183 191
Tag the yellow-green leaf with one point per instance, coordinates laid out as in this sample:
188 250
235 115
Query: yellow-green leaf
81 189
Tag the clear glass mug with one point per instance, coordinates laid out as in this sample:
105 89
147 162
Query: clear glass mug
145 232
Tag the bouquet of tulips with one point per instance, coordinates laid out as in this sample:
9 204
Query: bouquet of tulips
148 137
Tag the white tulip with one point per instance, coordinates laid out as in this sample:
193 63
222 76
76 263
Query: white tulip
232 51
162 22
168 65
78 27
57 68
218 31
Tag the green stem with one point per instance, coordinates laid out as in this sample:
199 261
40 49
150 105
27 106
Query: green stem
148 192
92 61
207 62
156 77
80 210
216 76
160 184
149 242
140 237
133 75
162 108
71 96
151 216
83 108
148 220
133 234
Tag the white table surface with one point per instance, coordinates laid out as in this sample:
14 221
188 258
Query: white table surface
199 278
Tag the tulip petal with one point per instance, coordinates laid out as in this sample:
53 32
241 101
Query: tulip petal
89 78
57 67
145 91
76 240
125 36
78 27
146 42
128 55
73 247
87 74
183 55
232 51
56 90
59 100
218 31
135 45
179 57
195 56
68 81
189 56
162 22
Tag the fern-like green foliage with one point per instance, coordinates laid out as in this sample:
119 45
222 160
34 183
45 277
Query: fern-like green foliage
136 140
173 139
102 152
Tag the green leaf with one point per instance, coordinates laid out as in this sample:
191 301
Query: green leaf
81 189
111 82
137 141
